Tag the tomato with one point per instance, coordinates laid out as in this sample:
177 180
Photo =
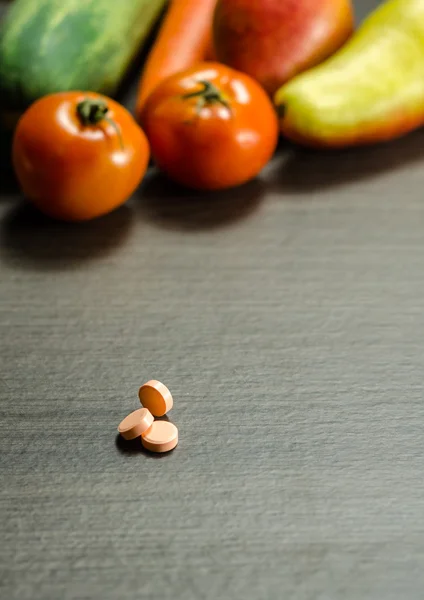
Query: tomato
210 127
78 155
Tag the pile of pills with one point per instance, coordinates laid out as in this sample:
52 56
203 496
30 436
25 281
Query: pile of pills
156 436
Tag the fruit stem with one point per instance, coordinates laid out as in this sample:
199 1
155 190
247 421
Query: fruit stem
210 94
281 110
92 112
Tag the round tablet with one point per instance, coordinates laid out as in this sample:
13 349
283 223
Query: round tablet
137 423
156 397
161 437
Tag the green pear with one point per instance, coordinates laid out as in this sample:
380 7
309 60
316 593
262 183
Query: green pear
372 90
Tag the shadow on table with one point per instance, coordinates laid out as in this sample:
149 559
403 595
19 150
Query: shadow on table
133 447
9 189
299 171
171 206
33 241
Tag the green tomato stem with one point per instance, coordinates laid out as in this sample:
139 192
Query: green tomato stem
91 112
210 94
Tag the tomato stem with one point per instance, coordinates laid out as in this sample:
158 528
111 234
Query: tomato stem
210 94
92 112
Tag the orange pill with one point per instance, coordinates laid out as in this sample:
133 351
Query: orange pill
137 423
156 397
161 437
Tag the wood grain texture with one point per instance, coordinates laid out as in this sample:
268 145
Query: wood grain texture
287 319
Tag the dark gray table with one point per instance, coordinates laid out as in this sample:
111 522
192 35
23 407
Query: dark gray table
287 319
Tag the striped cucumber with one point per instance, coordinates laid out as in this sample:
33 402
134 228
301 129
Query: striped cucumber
48 46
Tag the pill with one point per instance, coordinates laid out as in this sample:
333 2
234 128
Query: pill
135 424
156 397
161 437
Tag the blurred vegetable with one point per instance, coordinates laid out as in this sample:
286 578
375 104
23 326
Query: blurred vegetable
56 45
274 40
371 90
210 53
78 155
183 40
210 127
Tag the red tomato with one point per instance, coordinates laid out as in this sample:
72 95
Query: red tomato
210 127
78 155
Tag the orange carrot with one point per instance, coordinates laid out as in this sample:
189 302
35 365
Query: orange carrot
183 40
210 53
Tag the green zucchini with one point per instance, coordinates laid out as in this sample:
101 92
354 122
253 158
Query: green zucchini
49 46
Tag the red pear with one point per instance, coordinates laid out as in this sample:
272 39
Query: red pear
274 40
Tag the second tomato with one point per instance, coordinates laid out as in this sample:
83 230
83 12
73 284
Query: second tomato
210 127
